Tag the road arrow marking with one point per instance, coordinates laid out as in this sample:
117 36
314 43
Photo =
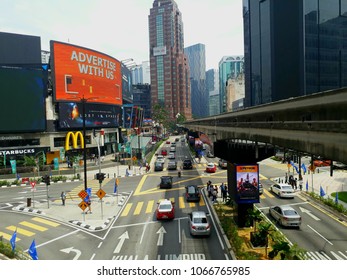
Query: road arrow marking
304 210
71 249
161 233
122 238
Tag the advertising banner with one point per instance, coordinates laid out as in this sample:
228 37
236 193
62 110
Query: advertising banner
80 72
247 177
56 163
127 115
13 166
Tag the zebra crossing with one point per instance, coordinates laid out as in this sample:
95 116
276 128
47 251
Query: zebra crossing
27 228
148 207
320 255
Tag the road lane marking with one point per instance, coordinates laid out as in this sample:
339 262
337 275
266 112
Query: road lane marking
149 208
7 236
320 235
126 210
21 231
33 226
138 208
181 203
47 222
202 202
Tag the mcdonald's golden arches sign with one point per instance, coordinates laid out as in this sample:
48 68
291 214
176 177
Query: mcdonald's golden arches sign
74 136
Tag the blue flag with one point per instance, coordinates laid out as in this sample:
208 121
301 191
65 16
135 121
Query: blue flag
336 197
303 168
292 163
116 182
13 240
296 169
307 186
32 251
321 191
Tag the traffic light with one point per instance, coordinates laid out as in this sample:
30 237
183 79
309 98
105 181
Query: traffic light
100 177
46 179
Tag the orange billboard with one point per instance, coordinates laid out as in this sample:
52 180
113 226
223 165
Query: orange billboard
83 73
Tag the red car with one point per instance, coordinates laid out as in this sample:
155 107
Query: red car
165 210
167 142
211 168
164 152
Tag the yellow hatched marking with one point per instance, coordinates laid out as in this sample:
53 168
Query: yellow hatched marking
181 203
202 202
126 210
34 226
268 193
21 231
46 222
192 204
138 208
8 236
150 205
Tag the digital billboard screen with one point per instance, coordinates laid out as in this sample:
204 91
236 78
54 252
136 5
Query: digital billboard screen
23 93
247 188
83 73
96 115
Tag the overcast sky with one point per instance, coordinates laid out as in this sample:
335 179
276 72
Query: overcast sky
119 28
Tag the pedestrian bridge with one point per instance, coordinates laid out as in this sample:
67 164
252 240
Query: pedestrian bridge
315 124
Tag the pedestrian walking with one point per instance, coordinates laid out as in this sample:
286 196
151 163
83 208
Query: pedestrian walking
63 197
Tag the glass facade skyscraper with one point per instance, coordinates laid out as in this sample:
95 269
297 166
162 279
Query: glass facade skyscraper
197 65
293 48
170 84
229 67
212 86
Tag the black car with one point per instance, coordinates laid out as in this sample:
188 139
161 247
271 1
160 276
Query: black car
165 182
192 193
158 166
187 164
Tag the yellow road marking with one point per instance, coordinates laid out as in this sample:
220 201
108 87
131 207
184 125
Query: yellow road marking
268 193
139 186
34 226
181 203
21 231
126 209
202 202
192 204
47 222
150 205
7 236
138 208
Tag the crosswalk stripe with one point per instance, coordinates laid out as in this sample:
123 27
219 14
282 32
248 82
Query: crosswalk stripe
21 231
181 203
150 205
138 208
34 226
191 204
46 222
7 236
202 202
126 210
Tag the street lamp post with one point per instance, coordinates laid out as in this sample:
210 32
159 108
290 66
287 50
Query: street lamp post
85 142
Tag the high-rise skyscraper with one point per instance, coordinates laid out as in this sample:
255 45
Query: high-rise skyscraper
212 86
197 65
229 68
170 84
293 48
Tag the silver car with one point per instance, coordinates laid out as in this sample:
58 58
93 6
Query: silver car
283 190
198 223
285 215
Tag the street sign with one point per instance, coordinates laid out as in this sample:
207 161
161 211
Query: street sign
82 194
100 193
83 205
33 184
134 158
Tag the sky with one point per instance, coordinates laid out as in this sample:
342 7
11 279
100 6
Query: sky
119 28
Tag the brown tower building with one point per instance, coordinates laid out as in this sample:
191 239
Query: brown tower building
170 84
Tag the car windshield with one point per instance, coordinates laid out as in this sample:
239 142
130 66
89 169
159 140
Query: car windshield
290 212
164 206
166 180
158 163
287 188
191 190
200 220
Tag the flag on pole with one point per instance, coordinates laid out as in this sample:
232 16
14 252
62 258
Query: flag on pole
321 191
32 251
336 197
13 240
304 168
296 169
307 186
292 163
116 183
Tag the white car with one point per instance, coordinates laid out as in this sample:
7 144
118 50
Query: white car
283 190
160 158
285 215
171 156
